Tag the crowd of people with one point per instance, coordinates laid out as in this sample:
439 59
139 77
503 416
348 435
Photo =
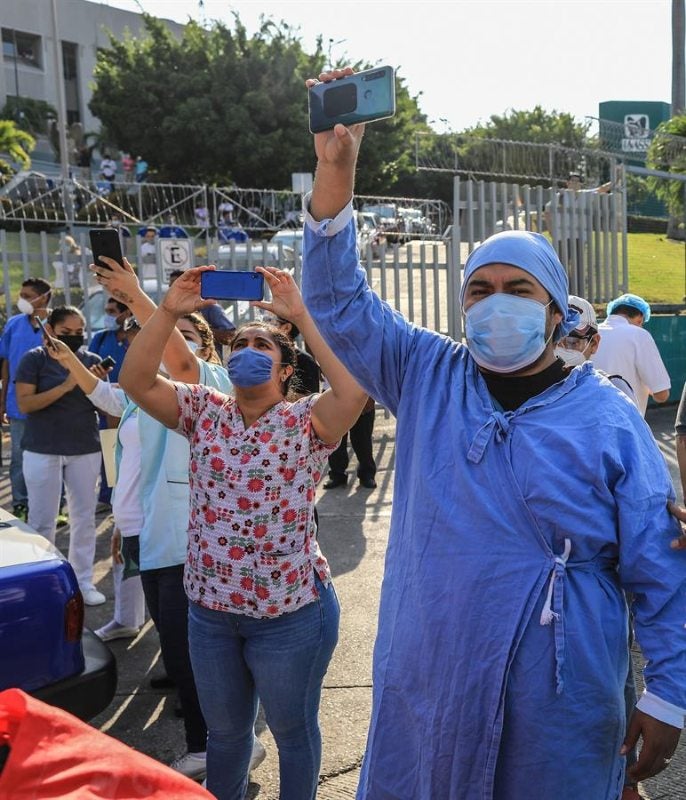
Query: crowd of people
533 524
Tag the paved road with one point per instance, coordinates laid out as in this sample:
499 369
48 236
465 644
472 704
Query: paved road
354 526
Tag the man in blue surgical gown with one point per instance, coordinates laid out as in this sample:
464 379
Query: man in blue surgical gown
525 501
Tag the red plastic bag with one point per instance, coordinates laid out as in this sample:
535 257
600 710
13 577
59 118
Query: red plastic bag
55 755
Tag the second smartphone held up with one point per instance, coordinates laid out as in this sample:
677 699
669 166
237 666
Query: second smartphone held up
224 284
363 97
105 242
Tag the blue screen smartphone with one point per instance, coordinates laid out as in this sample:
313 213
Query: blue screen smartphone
224 284
363 97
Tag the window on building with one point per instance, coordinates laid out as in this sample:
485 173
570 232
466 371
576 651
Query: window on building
70 64
23 48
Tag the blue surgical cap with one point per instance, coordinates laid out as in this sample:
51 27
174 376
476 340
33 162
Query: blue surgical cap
533 253
632 300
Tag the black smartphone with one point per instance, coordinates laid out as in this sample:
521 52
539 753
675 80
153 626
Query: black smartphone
224 284
108 362
41 325
105 242
363 97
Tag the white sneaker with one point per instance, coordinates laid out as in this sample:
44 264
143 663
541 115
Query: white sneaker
92 597
257 757
192 765
258 754
113 630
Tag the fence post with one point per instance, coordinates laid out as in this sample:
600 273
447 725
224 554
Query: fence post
45 257
6 272
454 269
24 247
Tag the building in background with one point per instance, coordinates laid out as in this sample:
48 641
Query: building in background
27 55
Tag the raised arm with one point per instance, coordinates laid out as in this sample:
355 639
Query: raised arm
337 409
122 284
139 376
371 339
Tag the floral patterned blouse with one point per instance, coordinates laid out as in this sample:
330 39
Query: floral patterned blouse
252 547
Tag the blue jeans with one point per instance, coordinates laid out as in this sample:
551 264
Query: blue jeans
237 659
19 494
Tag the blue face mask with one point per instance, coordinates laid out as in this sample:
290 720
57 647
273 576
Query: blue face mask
110 323
506 333
249 367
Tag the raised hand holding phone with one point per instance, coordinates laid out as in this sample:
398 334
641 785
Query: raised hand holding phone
105 242
184 295
351 98
286 301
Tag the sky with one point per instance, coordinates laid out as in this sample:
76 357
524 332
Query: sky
468 59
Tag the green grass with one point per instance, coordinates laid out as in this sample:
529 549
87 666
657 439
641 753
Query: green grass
657 268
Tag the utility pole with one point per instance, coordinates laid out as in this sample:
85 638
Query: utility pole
61 99
678 46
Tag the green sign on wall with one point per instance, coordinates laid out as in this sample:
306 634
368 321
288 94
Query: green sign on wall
627 126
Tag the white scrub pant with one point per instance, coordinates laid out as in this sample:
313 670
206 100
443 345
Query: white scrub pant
129 600
43 474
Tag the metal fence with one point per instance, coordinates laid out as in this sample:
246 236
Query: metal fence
420 278
587 228
413 277
32 197
473 156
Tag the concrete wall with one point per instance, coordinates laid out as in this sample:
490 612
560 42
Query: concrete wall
79 21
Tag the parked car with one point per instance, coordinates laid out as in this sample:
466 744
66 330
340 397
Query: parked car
369 232
413 222
279 251
46 651
386 213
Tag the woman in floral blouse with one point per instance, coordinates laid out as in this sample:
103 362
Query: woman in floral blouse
263 617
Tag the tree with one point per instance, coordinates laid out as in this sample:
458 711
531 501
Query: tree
17 144
667 153
221 106
29 114
537 126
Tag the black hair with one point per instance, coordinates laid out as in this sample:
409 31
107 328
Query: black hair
121 306
175 273
206 337
39 285
293 331
288 354
627 311
60 313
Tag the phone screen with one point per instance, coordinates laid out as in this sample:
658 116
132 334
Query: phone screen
363 97
105 242
222 284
